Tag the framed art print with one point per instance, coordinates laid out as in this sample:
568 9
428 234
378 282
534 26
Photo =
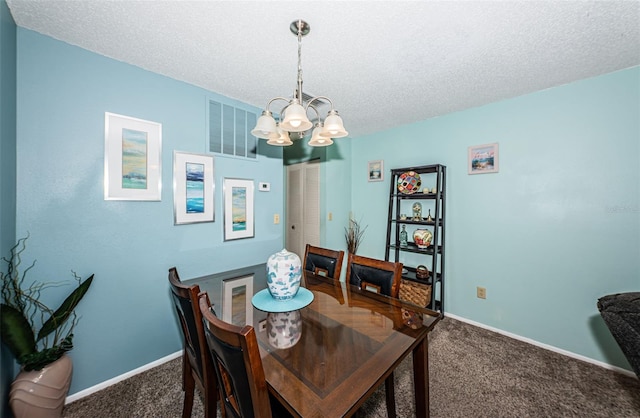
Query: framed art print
238 209
193 188
483 159
375 170
132 158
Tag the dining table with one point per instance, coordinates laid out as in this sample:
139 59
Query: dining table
327 358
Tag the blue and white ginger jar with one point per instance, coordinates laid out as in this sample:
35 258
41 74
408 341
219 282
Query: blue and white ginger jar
284 271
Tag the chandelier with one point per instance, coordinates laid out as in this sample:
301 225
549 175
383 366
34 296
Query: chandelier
293 116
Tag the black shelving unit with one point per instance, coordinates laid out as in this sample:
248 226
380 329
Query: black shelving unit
401 202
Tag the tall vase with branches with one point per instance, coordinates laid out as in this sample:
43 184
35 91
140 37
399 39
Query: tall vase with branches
353 235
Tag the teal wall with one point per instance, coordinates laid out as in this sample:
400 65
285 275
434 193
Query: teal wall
7 170
127 319
557 227
336 193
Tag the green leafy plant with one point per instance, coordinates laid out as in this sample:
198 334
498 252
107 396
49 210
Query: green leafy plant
353 235
22 311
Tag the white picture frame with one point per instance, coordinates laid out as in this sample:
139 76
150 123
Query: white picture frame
238 208
193 188
483 159
236 300
375 170
132 158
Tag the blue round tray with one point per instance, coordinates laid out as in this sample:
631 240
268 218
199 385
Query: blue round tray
265 302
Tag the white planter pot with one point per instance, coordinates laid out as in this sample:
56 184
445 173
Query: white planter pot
41 393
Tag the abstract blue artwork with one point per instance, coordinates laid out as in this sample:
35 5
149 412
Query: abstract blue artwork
195 188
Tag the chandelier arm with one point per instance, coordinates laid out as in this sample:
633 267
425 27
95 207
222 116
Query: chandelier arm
318 98
314 109
274 99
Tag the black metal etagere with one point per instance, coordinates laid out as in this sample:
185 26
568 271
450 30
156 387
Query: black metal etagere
431 194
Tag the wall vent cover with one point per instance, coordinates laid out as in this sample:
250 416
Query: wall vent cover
230 131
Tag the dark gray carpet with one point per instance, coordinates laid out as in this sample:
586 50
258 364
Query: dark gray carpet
473 372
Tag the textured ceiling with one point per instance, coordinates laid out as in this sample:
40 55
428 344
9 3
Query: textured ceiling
382 63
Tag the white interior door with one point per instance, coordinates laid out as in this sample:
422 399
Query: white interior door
303 206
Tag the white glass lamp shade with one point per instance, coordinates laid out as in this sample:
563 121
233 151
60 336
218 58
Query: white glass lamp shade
295 119
265 127
317 140
281 140
333 127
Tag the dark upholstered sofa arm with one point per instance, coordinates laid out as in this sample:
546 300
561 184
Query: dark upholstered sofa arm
621 313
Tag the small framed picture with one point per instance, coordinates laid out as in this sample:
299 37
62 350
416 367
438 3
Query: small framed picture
193 188
236 303
375 170
483 159
238 209
132 158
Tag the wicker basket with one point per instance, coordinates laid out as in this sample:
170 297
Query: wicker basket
416 293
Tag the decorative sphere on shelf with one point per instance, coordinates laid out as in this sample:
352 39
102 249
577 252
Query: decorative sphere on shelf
284 271
422 237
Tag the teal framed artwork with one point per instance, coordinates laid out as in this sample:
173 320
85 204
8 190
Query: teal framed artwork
193 188
238 208
132 158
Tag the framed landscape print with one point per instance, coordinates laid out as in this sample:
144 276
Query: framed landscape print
238 209
132 158
483 159
193 188
375 170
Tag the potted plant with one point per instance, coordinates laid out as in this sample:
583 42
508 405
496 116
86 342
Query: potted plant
37 335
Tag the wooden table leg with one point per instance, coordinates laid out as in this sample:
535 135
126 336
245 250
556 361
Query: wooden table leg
421 378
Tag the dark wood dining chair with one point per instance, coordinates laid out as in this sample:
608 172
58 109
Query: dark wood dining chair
376 275
197 368
238 366
381 277
323 261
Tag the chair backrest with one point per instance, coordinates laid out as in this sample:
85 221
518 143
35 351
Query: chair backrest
237 363
376 275
185 299
323 261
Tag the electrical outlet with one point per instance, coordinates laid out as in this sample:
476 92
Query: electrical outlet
276 218
481 292
330 216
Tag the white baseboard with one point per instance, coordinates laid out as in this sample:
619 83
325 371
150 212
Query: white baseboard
545 346
124 376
